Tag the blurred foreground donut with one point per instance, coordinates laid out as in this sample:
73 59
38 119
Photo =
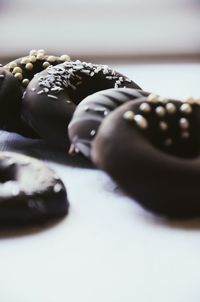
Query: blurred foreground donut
152 150
52 96
24 68
91 112
30 192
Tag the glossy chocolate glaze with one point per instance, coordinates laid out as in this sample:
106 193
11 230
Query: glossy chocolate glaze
153 152
91 112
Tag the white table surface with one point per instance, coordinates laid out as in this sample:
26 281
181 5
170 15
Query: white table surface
108 249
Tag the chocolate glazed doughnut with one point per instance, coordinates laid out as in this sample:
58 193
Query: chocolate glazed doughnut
152 150
52 96
91 112
22 70
30 192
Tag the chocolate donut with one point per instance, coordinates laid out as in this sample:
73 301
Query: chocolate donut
25 68
30 192
10 105
152 150
90 113
52 96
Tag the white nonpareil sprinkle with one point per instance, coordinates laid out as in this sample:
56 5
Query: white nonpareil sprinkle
52 96
92 133
57 188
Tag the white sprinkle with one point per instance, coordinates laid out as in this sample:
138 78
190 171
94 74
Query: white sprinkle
33 89
92 133
2 76
85 71
52 96
40 92
57 188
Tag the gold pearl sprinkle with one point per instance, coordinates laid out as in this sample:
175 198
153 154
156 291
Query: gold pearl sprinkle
141 121
65 58
25 60
51 59
184 123
32 59
33 52
163 126
40 56
171 108
17 70
25 82
153 98
29 66
160 111
162 100
12 64
46 64
190 100
18 76
145 107
129 115
186 108
41 51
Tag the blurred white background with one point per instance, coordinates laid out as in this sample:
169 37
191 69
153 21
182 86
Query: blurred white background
101 28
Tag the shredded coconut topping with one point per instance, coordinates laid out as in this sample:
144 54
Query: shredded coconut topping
70 75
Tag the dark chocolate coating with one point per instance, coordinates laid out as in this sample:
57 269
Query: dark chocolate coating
53 94
30 192
154 156
91 112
